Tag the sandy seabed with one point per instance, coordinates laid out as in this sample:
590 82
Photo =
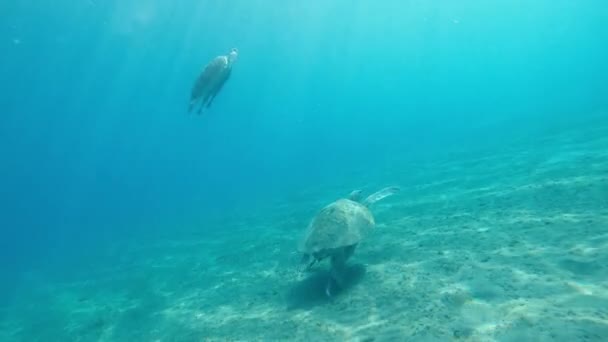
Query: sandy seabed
508 246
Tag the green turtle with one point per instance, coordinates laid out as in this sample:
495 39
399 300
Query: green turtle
337 229
211 80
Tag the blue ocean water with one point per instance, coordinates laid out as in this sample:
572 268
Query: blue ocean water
100 157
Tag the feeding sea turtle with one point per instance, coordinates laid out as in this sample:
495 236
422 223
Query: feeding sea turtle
337 229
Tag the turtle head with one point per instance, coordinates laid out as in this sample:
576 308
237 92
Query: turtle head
233 55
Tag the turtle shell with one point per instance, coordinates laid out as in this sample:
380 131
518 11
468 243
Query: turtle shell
340 224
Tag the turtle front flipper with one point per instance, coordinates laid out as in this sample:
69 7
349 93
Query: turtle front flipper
337 277
338 265
200 108
309 261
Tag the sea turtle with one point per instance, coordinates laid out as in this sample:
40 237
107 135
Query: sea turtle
337 229
211 79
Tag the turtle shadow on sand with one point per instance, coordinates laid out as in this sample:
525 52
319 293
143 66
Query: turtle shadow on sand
310 291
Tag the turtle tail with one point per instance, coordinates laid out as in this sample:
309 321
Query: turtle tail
378 195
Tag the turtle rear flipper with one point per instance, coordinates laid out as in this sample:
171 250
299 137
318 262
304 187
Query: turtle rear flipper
355 195
378 195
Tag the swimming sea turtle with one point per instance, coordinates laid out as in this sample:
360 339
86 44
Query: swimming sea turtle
210 81
337 229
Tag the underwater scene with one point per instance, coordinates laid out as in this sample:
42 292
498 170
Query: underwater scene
262 170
